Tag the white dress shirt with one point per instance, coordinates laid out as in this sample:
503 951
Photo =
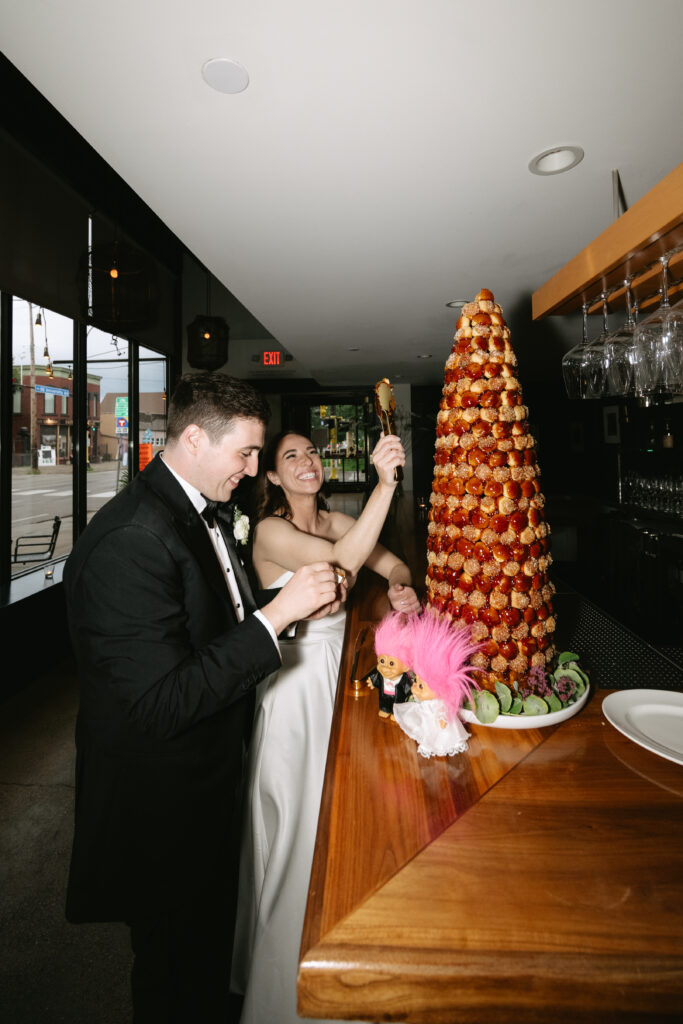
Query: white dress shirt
199 502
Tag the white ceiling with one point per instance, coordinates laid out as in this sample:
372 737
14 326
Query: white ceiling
376 166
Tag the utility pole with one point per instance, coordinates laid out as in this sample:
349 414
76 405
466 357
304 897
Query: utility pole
34 417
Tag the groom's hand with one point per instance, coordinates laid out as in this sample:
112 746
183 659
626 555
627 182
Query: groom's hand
342 592
311 589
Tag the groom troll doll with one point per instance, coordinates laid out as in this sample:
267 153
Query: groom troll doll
170 645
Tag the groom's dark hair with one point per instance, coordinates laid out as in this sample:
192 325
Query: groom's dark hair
213 401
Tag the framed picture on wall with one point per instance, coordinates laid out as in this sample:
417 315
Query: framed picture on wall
610 423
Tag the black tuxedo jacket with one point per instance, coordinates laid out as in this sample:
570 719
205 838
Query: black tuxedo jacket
166 676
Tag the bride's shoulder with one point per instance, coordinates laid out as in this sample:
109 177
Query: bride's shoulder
272 524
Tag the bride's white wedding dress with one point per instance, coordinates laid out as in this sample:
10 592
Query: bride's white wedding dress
287 759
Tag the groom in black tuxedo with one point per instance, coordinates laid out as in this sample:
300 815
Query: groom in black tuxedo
170 645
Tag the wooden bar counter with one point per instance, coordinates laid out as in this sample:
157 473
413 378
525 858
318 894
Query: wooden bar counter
538 877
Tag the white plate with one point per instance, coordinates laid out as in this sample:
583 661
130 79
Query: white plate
651 718
528 721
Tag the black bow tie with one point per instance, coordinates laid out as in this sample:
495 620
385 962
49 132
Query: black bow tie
212 509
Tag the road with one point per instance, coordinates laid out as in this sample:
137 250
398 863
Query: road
38 498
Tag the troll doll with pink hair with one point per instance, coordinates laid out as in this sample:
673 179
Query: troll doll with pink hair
443 680
393 647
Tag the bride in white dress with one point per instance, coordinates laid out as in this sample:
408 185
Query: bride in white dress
294 712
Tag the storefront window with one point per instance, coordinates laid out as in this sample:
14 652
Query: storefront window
42 424
107 422
152 405
45 426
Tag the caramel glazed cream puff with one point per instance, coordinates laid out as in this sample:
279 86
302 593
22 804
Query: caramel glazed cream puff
488 548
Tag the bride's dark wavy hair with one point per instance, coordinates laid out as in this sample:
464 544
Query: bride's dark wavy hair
269 498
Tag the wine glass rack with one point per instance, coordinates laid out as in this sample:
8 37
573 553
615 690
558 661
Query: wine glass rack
631 247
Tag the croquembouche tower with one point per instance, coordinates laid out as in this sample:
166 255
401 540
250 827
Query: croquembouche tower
488 548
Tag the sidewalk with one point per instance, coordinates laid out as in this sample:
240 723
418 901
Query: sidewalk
50 971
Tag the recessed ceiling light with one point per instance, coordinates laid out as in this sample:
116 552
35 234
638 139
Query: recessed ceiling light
456 303
225 75
425 355
354 350
556 160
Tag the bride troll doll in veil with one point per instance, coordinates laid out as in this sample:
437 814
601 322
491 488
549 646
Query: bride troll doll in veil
294 709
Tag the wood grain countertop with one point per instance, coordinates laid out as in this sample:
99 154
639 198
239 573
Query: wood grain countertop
538 877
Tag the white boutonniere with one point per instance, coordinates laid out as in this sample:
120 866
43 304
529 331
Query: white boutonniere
240 526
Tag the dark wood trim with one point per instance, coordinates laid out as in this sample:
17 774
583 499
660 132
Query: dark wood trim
6 404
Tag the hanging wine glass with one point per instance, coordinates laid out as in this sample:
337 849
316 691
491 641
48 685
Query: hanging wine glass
572 362
677 347
594 367
619 352
658 367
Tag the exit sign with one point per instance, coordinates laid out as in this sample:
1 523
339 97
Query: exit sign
272 358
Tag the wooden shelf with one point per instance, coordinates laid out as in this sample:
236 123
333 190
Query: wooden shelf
631 246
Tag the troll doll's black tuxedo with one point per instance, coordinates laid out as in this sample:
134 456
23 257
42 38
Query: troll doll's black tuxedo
167 675
387 700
